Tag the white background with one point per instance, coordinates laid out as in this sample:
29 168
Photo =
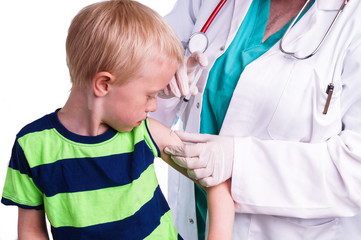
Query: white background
34 79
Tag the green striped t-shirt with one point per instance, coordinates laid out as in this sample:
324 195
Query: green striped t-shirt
91 187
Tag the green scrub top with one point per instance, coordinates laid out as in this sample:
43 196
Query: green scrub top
246 47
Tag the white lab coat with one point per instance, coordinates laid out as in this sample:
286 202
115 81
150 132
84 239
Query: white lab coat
297 172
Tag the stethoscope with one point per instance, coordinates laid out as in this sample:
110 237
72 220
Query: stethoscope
199 42
330 87
293 54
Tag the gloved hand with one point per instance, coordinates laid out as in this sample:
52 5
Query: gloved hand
209 160
179 85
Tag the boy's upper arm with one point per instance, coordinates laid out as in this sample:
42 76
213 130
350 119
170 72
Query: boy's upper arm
162 135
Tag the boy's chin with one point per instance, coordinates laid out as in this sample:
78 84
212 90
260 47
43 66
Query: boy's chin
125 129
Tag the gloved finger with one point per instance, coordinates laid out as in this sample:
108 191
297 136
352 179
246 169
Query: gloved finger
181 161
197 58
205 171
194 137
166 91
208 168
202 59
173 86
191 174
174 150
182 81
193 162
201 173
208 181
189 163
193 91
191 150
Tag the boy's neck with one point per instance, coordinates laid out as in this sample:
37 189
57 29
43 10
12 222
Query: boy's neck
81 116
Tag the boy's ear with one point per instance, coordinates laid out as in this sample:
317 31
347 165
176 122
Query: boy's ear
101 83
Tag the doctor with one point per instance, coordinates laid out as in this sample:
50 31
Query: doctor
292 150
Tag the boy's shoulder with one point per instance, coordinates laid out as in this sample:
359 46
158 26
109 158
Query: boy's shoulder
42 123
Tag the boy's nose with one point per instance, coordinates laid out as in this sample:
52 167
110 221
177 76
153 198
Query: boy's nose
152 106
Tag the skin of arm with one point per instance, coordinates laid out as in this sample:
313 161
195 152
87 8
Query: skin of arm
164 136
220 202
221 211
31 225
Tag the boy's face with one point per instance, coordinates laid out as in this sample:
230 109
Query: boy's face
128 104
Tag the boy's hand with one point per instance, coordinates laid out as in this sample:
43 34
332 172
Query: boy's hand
179 85
210 159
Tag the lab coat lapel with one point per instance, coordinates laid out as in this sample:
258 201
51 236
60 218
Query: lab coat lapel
328 5
239 12
303 38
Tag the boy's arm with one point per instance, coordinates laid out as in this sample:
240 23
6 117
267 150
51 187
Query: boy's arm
220 202
221 211
164 136
31 225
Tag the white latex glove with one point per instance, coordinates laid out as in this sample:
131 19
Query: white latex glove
209 160
179 85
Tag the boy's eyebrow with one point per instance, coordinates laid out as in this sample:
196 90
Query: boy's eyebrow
156 90
151 91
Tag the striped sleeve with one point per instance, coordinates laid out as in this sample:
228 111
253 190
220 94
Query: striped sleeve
19 188
150 141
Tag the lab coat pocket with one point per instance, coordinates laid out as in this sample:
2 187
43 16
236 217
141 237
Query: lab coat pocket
299 112
280 228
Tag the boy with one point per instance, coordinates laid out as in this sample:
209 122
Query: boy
89 165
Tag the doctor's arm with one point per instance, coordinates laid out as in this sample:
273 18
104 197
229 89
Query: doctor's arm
290 178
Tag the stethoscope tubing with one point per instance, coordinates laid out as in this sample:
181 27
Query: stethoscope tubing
212 16
293 54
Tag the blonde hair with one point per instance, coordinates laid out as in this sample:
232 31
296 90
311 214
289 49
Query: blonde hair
118 36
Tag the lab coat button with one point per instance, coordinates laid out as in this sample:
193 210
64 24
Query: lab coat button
191 220
221 48
197 105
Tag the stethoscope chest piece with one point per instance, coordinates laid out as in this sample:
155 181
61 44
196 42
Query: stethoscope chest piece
198 42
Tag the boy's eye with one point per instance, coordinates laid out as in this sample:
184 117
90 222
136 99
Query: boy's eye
152 96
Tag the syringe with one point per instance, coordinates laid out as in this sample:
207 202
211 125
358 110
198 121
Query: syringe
185 100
